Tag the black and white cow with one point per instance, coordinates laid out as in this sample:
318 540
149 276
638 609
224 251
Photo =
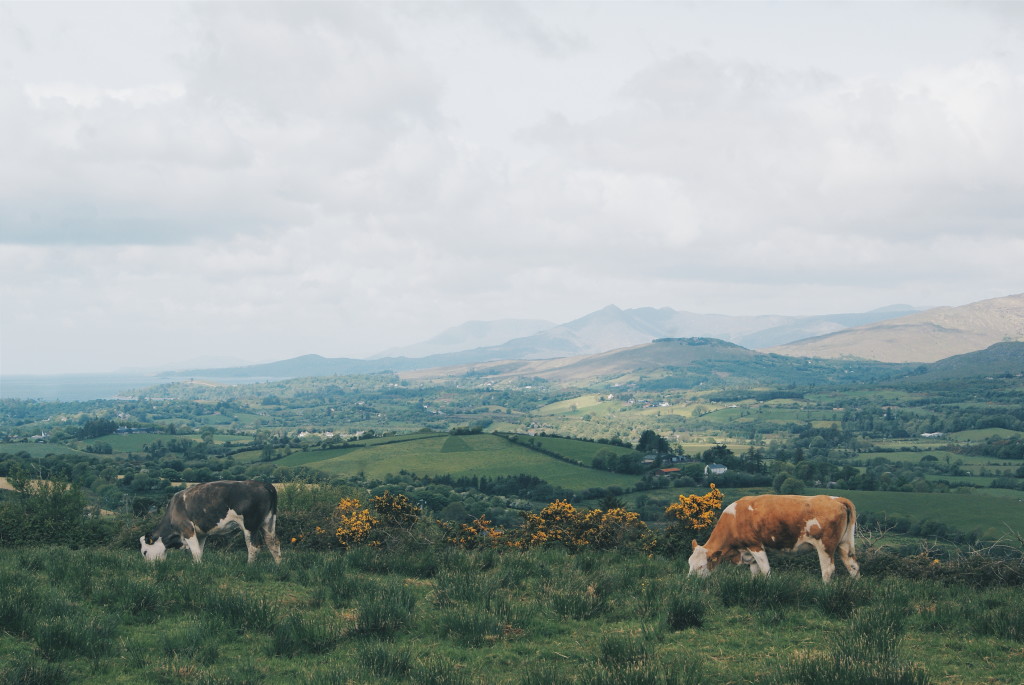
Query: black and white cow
213 508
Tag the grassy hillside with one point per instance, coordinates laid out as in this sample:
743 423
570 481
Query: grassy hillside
456 455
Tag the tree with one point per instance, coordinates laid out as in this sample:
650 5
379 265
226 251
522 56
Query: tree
792 486
652 442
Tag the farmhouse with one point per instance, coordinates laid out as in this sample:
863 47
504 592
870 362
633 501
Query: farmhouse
715 469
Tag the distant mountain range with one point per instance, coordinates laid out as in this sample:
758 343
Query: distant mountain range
607 329
925 336
897 334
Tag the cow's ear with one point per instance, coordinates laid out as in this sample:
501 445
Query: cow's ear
693 543
716 556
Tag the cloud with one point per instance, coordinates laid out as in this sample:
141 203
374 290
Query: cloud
341 178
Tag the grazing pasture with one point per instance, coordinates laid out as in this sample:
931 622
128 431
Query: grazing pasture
434 454
444 615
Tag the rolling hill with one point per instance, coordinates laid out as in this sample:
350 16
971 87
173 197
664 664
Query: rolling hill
926 336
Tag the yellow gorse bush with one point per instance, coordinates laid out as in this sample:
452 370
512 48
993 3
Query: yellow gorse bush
560 523
354 522
696 512
357 525
478 533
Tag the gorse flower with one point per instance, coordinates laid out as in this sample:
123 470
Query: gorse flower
354 522
696 512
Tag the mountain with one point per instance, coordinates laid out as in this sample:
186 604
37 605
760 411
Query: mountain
613 328
672 363
607 329
926 336
469 336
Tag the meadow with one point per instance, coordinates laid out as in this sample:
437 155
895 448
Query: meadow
436 615
433 454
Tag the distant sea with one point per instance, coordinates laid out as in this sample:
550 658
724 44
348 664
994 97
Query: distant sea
81 387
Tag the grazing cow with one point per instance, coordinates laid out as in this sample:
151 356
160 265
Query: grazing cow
214 508
788 523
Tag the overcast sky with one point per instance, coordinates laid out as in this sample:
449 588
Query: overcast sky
262 180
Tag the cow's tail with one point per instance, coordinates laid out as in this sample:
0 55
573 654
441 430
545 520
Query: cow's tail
272 494
270 519
850 530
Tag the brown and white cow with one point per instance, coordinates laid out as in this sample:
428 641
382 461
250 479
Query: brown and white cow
214 508
788 523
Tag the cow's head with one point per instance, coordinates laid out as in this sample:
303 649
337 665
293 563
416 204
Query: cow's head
702 563
154 547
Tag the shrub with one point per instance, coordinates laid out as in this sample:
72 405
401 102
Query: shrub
687 516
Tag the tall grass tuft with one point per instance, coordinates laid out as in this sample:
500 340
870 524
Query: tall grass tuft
451 587
30 670
76 635
193 642
685 610
737 587
298 634
869 653
839 598
385 660
440 670
386 610
581 602
469 626
241 612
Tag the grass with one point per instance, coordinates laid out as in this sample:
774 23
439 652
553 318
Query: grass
466 455
988 515
508 618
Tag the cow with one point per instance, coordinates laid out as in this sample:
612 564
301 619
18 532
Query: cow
214 508
788 523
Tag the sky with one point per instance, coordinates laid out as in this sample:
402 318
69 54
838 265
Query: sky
258 181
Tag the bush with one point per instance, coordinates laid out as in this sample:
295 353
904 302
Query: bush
49 512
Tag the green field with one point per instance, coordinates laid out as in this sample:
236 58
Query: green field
455 455
37 449
580 450
990 515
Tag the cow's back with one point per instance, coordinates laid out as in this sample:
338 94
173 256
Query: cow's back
780 521
207 504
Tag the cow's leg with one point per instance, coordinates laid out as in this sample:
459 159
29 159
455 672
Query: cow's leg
760 562
849 559
252 547
826 559
747 558
195 545
270 537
